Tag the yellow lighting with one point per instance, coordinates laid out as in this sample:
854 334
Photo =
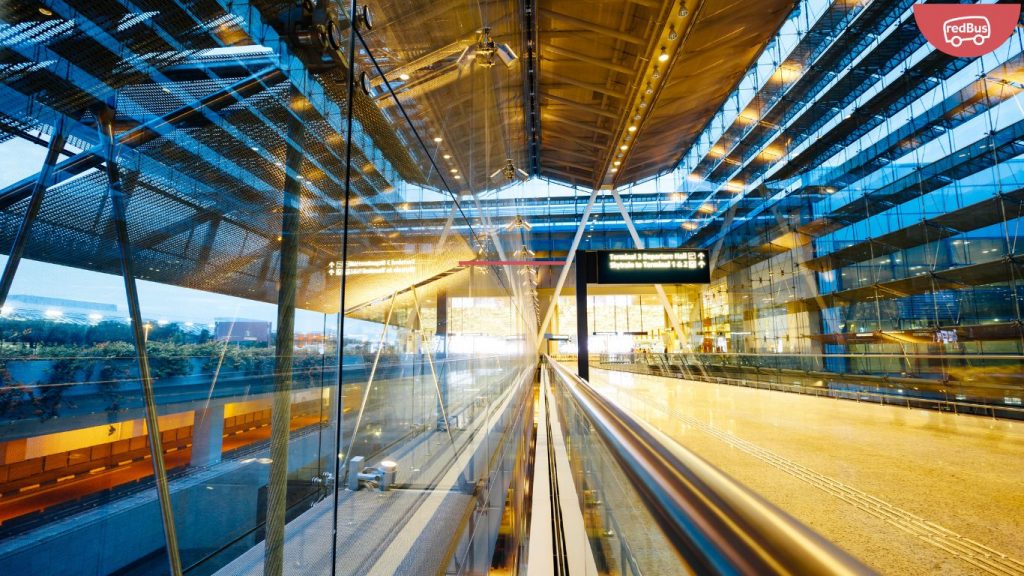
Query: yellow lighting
707 208
689 225
457 177
632 128
664 55
617 162
454 170
624 147
447 156
438 139
614 170
403 77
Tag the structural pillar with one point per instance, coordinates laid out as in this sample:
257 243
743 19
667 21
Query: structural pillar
207 436
442 354
582 331
284 351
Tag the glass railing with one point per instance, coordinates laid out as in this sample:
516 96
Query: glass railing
652 507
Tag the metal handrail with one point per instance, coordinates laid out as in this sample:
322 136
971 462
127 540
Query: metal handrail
716 525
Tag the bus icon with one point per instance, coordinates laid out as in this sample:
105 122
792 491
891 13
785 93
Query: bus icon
975 29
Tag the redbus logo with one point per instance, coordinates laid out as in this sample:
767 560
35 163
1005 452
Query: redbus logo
966 30
975 29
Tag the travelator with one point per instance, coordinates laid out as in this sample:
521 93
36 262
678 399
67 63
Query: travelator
613 495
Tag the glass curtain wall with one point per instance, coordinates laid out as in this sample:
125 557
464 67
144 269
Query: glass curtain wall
223 331
864 227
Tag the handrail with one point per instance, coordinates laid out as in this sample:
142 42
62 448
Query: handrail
716 525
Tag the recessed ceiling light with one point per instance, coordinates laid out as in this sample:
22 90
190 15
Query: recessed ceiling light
403 77
632 128
438 139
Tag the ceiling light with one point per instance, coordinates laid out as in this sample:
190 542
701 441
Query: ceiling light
45 11
649 90
672 35
656 74
664 55
683 12
624 147
637 117
454 170
438 139
447 156
613 170
457 177
617 162
632 128
403 77
643 104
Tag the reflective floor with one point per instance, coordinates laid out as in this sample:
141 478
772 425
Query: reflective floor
908 491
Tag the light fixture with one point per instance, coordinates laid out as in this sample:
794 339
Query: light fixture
45 11
454 170
254 148
624 147
438 139
683 12
614 170
643 104
457 177
403 77
447 156
637 117
672 34
649 90
656 74
663 57
632 128
617 162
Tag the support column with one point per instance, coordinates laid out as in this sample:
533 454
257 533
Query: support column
284 351
442 355
117 203
207 436
53 151
582 331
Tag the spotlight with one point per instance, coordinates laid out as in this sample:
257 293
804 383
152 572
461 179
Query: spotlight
403 77
505 53
617 162
438 139
649 90
664 55
683 12
624 147
672 34
447 156
632 128
454 170
656 74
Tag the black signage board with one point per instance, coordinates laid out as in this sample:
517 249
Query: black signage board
680 266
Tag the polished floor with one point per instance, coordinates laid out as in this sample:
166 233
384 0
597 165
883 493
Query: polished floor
907 491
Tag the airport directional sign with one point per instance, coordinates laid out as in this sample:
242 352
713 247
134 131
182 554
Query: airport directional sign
680 266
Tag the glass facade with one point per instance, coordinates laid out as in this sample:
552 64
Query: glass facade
221 310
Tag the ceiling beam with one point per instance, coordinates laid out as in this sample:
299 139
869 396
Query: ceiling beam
589 60
591 108
597 28
594 87
580 125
